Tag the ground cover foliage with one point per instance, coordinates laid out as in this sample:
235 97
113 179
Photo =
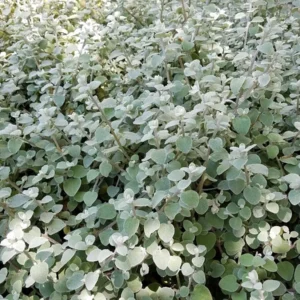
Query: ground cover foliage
149 149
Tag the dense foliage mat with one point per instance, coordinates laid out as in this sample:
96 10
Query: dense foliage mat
150 149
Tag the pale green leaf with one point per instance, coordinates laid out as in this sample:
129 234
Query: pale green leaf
91 279
189 199
229 284
271 285
236 84
39 272
161 258
71 186
266 48
201 292
166 232
159 156
150 226
184 144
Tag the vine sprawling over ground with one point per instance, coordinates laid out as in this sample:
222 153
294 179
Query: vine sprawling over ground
149 149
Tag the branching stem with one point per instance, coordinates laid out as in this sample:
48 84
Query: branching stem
112 131
184 11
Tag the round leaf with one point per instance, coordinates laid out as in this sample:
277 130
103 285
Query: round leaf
285 270
271 285
189 199
201 292
252 195
241 124
72 186
166 232
184 144
229 284
161 258
39 272
107 211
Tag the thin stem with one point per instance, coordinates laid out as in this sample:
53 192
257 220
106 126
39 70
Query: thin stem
135 17
14 185
106 227
14 266
255 55
96 102
247 175
182 128
219 246
127 57
210 189
246 35
183 10
98 181
28 255
167 72
58 148
50 239
190 282
295 138
133 210
178 281
58 83
247 26
298 103
203 177
164 205
280 165
77 64
162 11
182 67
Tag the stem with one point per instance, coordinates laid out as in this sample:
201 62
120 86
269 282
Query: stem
162 11
178 281
203 177
247 175
28 255
167 72
127 57
14 266
248 25
163 206
96 102
183 10
50 239
177 275
255 54
190 282
241 94
106 227
210 189
280 165
298 103
246 36
14 185
237 103
295 138
98 182
219 247
182 128
77 64
182 67
133 209
58 148
135 17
